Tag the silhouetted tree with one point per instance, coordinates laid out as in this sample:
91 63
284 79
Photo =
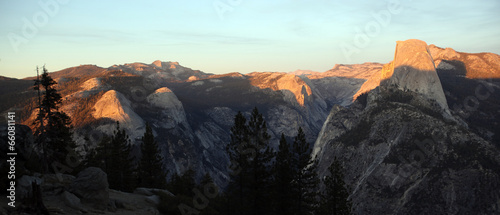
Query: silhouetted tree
52 127
249 189
182 187
113 156
151 173
216 203
239 152
305 181
335 198
283 176
100 156
260 184
121 165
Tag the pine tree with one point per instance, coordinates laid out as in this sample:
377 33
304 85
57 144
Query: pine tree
151 173
52 127
182 184
120 166
335 199
100 156
239 152
305 183
182 188
283 176
260 189
207 185
249 189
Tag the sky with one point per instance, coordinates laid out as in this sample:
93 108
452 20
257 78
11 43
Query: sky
222 36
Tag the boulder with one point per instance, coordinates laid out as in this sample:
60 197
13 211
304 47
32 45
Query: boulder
91 185
72 201
151 191
56 183
154 199
143 191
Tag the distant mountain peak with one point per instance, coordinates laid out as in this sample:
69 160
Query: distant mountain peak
167 64
304 72
438 52
157 63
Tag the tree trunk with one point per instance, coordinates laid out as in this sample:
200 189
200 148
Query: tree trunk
36 200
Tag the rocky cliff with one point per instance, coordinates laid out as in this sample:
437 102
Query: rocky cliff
191 112
400 152
414 70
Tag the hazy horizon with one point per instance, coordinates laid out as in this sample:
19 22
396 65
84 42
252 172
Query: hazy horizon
234 36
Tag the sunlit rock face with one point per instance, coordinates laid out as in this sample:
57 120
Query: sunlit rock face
475 65
115 106
414 70
170 106
293 87
375 79
404 151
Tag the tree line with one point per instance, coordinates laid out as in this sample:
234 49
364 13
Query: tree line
281 181
263 180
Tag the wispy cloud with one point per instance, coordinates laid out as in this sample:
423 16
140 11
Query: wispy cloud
213 38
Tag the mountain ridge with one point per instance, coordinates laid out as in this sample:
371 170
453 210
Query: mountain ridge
195 135
407 154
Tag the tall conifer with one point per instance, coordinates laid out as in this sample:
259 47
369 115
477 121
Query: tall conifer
151 173
53 130
305 181
283 176
335 198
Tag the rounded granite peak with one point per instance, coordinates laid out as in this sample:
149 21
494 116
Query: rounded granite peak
157 63
163 90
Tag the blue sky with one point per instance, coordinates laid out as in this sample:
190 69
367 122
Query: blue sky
221 36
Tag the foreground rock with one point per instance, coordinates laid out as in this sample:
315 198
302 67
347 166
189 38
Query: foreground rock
91 185
88 193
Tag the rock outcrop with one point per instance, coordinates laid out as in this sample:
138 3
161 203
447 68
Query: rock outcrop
469 65
91 186
292 86
414 70
375 78
402 155
89 87
404 158
113 105
88 193
477 65
171 108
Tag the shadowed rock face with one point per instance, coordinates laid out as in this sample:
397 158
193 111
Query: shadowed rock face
468 65
402 154
414 70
